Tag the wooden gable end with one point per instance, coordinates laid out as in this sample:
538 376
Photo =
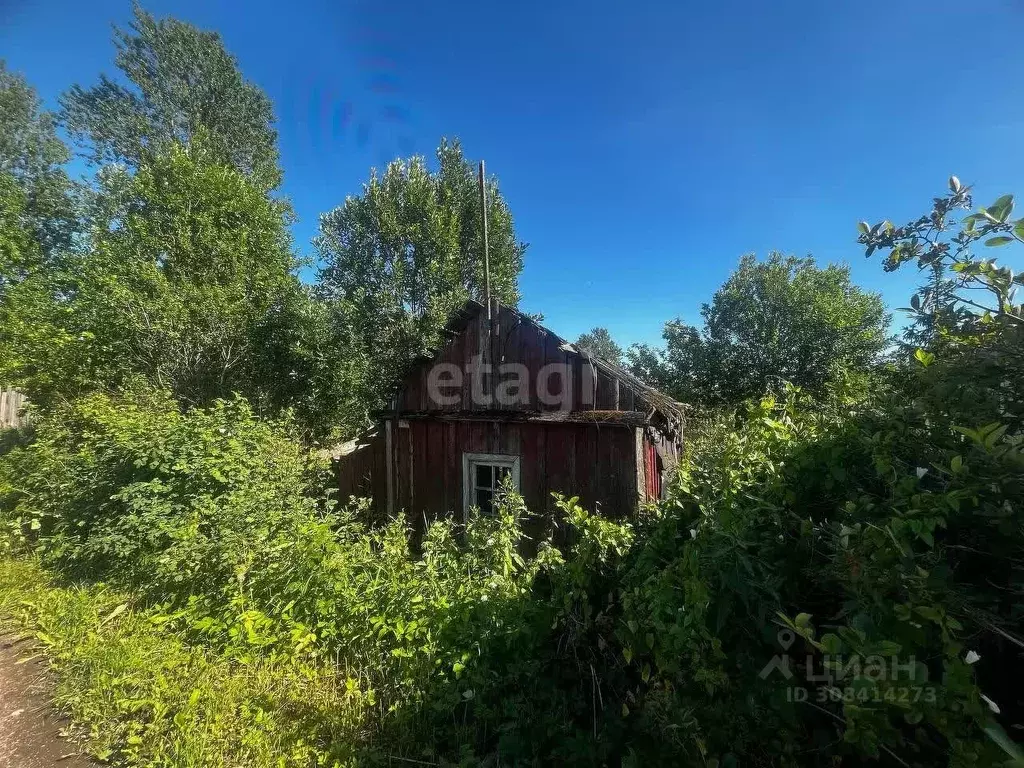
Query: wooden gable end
510 364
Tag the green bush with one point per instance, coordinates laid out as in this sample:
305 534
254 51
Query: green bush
831 579
211 520
864 533
167 500
827 526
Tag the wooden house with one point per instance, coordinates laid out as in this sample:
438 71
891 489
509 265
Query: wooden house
504 396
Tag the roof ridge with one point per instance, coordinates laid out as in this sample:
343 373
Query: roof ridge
661 401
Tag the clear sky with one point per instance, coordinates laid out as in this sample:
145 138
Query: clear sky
642 146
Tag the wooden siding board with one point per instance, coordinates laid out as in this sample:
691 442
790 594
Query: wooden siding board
607 469
470 350
532 474
585 454
392 490
400 445
560 461
362 473
450 481
597 464
533 358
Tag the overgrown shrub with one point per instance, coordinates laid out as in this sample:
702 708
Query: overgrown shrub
146 698
867 533
835 579
845 532
211 520
133 488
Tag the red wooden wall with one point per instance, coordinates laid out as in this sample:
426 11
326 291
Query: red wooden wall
652 472
596 461
593 461
363 472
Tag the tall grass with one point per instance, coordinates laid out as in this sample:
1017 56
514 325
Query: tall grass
145 698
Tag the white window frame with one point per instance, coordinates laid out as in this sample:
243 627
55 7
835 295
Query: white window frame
469 464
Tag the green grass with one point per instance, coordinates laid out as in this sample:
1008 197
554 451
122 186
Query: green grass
147 699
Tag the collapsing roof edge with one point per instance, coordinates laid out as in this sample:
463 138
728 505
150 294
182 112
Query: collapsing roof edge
672 411
618 418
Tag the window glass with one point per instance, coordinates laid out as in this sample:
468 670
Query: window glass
483 475
483 500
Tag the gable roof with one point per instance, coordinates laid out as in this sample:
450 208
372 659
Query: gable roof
669 411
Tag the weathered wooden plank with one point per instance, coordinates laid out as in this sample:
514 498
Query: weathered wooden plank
560 449
11 403
641 475
471 344
589 485
392 490
605 394
452 468
434 459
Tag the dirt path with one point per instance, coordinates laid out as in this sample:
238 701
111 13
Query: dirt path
29 729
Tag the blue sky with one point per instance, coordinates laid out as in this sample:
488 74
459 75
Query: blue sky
642 146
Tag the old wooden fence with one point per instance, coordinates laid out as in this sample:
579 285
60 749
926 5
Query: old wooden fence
11 402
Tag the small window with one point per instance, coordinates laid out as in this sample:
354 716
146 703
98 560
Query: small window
483 475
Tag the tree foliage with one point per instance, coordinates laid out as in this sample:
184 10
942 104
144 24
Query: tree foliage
316 362
193 265
599 342
966 295
408 251
32 155
783 319
181 84
968 323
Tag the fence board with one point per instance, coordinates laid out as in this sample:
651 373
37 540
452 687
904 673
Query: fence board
11 402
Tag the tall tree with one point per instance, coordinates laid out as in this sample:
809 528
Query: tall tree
780 319
316 363
18 249
600 343
181 84
32 155
408 251
196 267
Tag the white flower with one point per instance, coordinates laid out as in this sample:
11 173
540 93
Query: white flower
921 472
972 657
693 533
991 704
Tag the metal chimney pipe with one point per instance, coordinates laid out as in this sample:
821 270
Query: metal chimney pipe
487 248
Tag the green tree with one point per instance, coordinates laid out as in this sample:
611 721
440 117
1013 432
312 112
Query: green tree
783 319
18 250
181 84
965 295
32 155
598 342
408 251
316 363
196 266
